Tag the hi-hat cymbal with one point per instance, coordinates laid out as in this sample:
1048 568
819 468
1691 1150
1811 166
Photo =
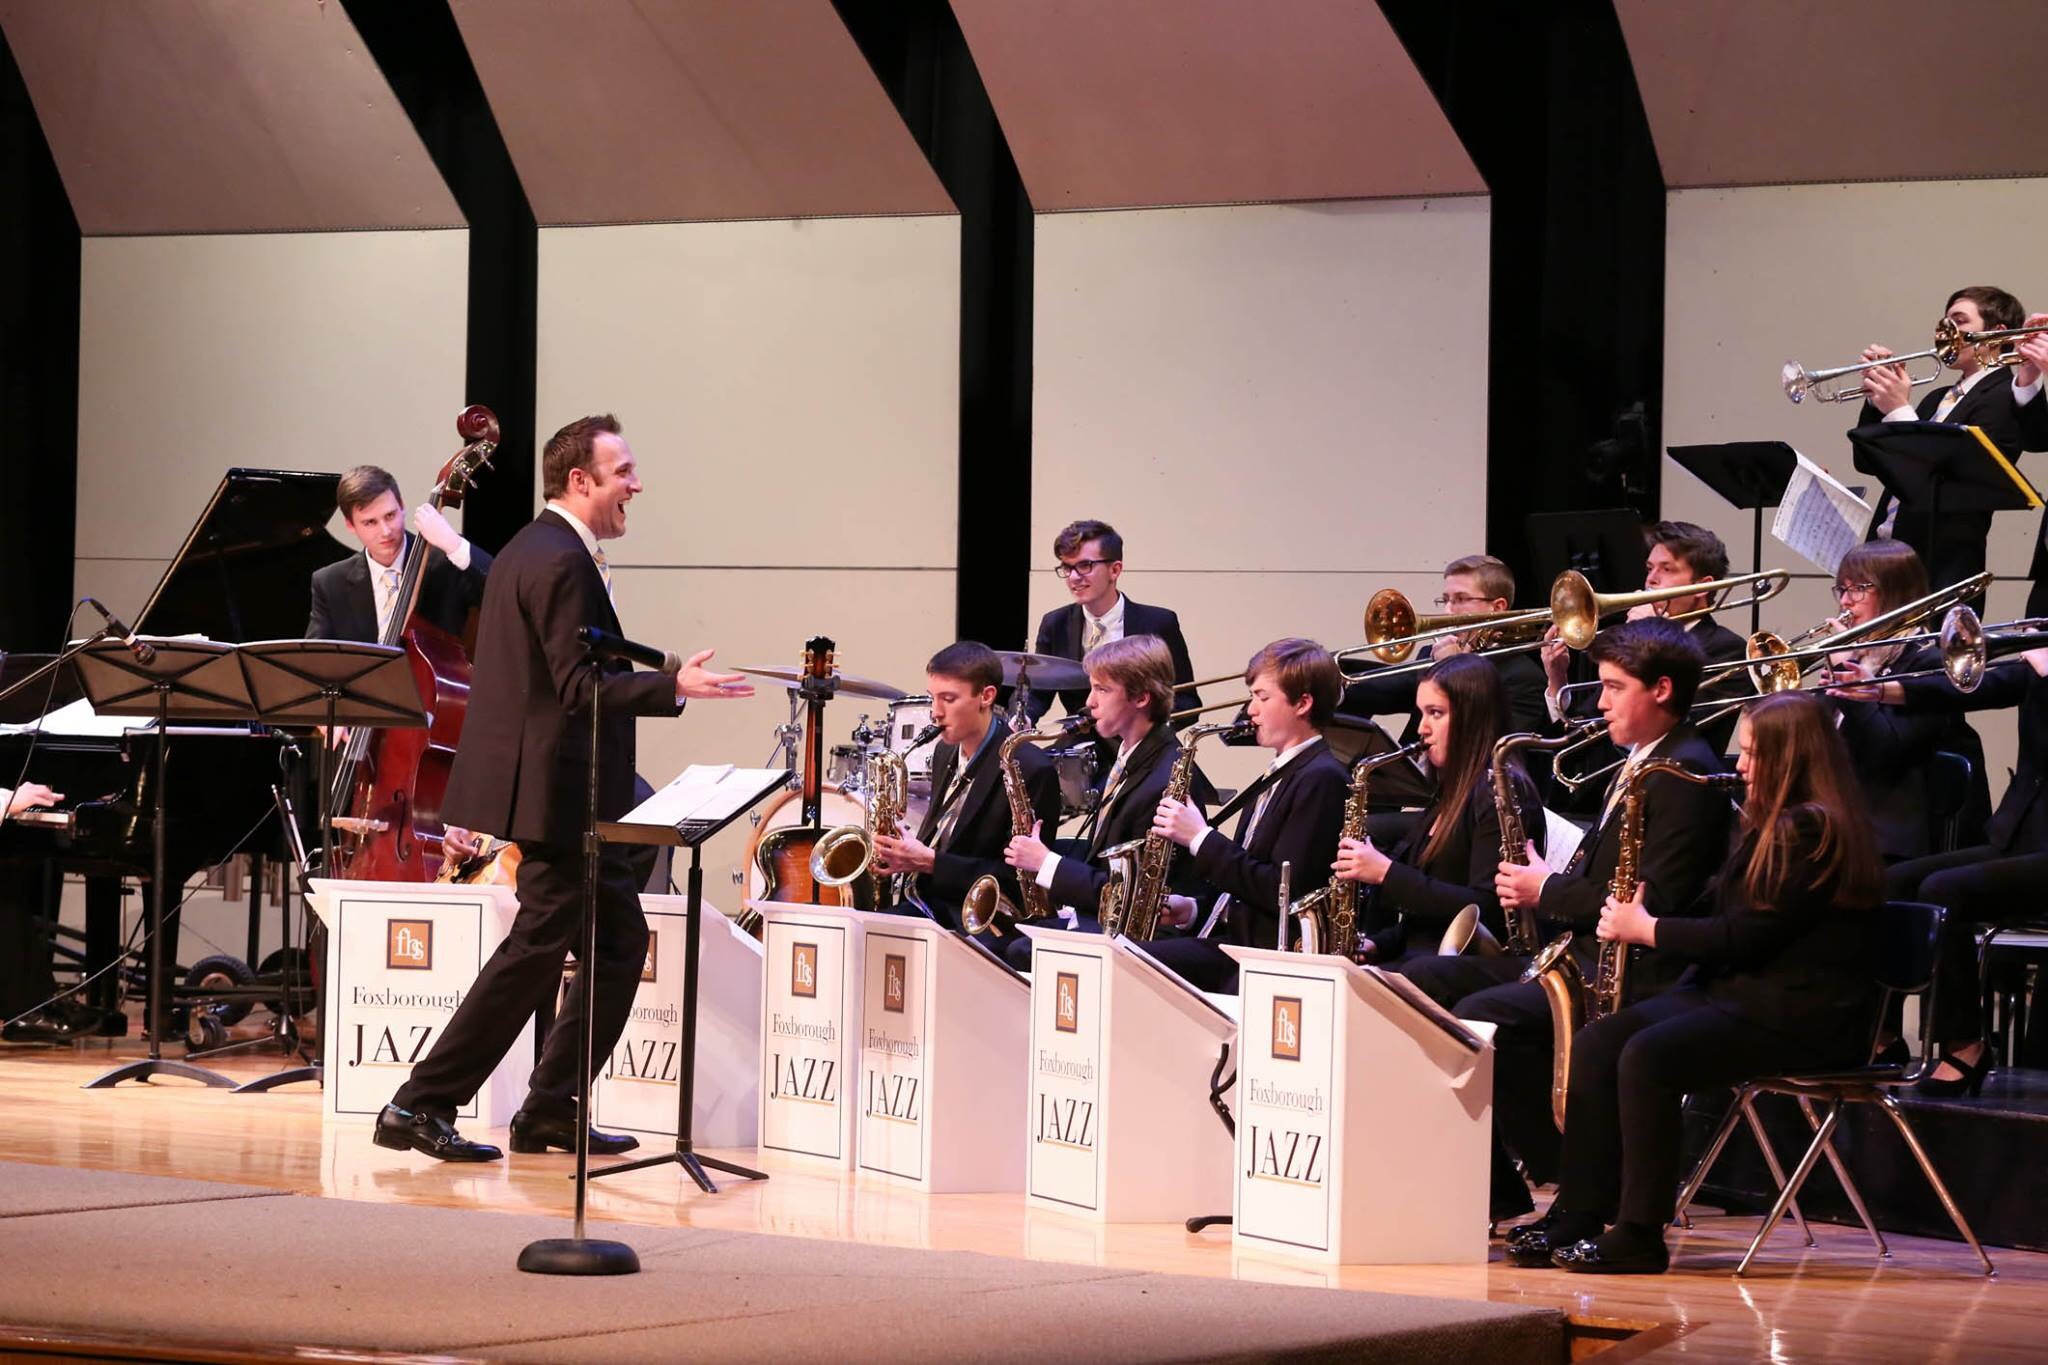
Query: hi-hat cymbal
1046 672
850 684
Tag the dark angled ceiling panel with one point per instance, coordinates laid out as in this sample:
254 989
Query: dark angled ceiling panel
1136 103
176 116
638 111
1770 92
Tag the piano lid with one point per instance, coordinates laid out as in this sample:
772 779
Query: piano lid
246 570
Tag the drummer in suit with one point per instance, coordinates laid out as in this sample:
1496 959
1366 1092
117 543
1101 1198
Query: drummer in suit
1130 691
355 598
1294 817
1089 559
968 825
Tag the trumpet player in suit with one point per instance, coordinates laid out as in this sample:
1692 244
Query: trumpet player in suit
968 825
1294 815
1649 674
1779 979
1983 396
1894 751
1444 860
1473 585
1130 695
1088 557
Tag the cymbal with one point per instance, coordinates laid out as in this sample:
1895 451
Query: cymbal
850 684
1048 672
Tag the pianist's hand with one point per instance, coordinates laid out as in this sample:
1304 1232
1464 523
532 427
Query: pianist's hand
28 796
695 680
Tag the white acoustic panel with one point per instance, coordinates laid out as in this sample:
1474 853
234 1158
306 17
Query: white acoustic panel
1264 388
1814 273
282 351
789 387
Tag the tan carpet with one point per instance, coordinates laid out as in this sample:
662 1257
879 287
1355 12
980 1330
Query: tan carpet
325 1272
26 1189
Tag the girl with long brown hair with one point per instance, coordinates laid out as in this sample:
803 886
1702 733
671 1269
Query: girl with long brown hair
1445 859
1781 980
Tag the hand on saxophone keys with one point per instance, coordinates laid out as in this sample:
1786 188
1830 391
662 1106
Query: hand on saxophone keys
902 853
1026 852
1626 921
1520 885
1180 821
1358 860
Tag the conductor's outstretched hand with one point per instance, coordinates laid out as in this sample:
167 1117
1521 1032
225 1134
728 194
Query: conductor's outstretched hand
694 680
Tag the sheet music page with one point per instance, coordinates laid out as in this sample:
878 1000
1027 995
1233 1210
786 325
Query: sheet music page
704 791
79 719
1821 519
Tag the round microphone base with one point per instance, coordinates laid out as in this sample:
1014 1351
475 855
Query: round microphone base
578 1256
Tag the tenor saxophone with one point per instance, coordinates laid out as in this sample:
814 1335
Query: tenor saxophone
1136 892
1514 839
1572 1001
1326 920
986 907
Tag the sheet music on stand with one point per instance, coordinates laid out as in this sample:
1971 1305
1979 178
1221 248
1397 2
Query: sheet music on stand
1413 996
1821 519
703 798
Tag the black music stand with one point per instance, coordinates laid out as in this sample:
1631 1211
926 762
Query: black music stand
692 834
331 683
1750 475
189 680
1606 545
1944 467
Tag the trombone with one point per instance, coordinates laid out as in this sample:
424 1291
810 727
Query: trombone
1950 341
1578 610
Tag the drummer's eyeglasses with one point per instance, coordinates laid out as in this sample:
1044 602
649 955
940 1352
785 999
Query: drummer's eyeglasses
1079 568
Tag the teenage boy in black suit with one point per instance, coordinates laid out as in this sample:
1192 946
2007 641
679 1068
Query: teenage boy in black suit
1649 674
968 823
1089 559
1130 688
1295 817
354 599
523 773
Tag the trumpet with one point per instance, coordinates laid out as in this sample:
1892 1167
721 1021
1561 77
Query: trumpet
1950 341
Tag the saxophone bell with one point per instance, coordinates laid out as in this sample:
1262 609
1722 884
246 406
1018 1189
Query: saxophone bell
1468 933
985 909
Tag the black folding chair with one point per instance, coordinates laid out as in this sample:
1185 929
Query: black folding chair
1908 938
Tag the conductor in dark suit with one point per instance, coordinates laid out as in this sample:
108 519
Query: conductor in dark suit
1982 396
964 831
1130 688
523 773
1090 560
355 598
1473 585
1295 817
1649 673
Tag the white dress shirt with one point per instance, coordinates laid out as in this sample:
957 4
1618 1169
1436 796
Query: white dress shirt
1098 630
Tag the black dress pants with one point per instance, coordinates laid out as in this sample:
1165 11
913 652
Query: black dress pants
1978 886
1631 1072
524 973
1201 962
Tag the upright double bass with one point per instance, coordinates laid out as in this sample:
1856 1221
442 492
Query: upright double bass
389 783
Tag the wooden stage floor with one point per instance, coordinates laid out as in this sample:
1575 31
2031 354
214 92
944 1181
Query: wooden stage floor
1834 1302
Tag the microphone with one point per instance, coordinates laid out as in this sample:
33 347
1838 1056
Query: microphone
144 652
605 645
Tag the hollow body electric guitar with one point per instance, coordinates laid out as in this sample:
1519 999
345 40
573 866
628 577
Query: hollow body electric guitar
784 855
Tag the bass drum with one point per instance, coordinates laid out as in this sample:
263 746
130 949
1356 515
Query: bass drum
835 808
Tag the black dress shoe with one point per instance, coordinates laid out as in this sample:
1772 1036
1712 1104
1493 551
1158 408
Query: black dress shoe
404 1131
1590 1257
533 1132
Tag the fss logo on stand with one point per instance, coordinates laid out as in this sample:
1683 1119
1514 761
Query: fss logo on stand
409 945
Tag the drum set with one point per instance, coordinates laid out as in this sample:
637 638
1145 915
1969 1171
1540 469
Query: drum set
903 718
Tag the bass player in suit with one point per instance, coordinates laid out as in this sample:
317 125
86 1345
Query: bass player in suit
1982 396
1295 817
1089 559
354 599
968 824
523 773
1649 674
1130 688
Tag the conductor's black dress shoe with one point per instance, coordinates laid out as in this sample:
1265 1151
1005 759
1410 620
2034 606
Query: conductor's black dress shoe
532 1132
405 1131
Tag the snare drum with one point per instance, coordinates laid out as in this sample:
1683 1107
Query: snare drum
907 719
843 767
1076 767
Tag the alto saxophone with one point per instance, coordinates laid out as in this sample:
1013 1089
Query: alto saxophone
1137 868
1572 1002
986 907
1326 920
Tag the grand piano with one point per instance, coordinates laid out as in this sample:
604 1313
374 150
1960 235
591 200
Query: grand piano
243 573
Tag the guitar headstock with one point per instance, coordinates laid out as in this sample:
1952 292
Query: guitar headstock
818 652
